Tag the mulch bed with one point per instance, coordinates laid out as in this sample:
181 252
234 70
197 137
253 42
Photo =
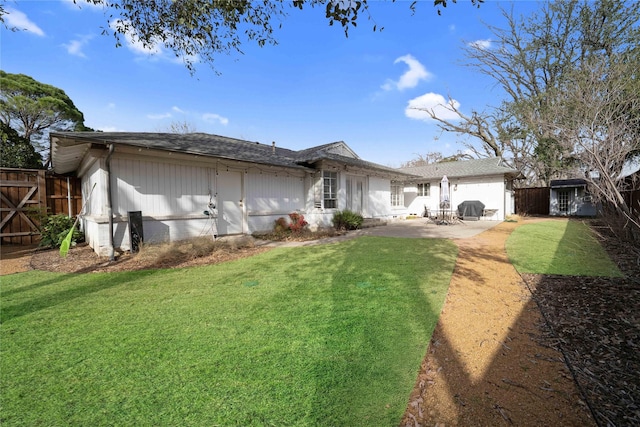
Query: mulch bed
595 323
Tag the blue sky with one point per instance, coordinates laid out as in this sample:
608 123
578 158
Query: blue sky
314 87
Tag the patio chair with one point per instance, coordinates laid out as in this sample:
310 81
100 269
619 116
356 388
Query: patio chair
431 217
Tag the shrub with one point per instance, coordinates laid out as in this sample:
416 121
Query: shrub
347 220
298 223
55 228
280 226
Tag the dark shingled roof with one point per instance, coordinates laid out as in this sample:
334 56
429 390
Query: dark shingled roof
560 183
464 168
205 145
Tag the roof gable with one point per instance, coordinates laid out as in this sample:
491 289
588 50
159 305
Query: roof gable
339 148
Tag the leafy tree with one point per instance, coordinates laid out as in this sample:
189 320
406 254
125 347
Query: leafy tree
32 107
16 151
199 30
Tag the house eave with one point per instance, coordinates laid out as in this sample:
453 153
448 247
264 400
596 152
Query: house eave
68 151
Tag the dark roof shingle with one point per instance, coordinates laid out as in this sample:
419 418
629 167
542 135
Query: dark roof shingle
211 146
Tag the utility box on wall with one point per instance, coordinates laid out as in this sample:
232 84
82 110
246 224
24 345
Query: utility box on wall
136 234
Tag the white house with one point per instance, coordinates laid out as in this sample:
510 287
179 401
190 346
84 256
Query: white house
486 180
187 185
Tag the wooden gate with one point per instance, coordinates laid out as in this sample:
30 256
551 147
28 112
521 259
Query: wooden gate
26 195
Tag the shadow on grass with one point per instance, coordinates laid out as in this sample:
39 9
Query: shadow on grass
62 290
392 357
525 379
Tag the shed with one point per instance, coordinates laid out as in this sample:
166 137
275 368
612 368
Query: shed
570 197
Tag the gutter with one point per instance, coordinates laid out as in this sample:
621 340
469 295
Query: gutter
109 202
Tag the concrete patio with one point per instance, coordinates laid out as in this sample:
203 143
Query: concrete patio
424 228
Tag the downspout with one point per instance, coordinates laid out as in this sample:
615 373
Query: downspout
109 203
505 194
69 199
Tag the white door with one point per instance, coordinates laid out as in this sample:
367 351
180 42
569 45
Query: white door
355 193
230 217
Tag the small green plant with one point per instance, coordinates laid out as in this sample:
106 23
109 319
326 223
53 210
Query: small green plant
347 220
55 228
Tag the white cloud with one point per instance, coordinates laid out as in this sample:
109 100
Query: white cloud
155 48
481 44
433 102
452 28
109 129
212 117
81 4
178 110
111 106
159 116
411 77
75 47
16 19
133 41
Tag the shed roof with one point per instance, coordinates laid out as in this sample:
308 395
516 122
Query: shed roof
68 149
564 183
463 168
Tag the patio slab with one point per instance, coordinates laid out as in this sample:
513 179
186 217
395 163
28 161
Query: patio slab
421 228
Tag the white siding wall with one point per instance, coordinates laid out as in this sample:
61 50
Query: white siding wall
316 216
159 189
489 190
379 197
270 197
97 203
172 199
173 196
416 204
95 206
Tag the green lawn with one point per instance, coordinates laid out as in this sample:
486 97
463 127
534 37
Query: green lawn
329 335
559 247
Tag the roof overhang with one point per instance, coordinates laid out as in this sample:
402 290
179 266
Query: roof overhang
68 150
567 183
67 153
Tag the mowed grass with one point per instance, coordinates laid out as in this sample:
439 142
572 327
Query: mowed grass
559 247
328 335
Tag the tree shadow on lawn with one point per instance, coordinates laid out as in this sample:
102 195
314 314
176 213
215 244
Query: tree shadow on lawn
63 289
488 363
390 338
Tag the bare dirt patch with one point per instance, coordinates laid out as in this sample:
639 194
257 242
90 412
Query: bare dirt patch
204 251
189 253
494 359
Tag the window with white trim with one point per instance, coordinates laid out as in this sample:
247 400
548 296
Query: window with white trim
397 195
330 189
424 189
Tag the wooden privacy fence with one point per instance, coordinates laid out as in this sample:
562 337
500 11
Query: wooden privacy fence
26 195
532 201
